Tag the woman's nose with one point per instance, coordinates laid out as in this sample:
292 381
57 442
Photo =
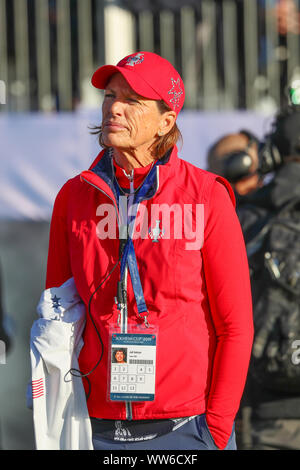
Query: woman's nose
116 106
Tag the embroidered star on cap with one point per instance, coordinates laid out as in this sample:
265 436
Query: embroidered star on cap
176 91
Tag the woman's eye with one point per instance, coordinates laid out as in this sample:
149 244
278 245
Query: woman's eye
132 100
109 95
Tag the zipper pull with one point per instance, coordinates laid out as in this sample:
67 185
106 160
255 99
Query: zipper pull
129 175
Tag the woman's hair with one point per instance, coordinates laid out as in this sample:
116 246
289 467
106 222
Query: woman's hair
166 142
162 143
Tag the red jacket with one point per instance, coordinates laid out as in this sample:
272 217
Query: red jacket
200 299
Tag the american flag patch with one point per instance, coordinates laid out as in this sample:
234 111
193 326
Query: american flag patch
37 388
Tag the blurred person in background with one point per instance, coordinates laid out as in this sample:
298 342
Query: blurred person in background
287 17
235 157
199 300
271 224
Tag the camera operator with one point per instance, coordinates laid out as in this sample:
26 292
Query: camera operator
270 219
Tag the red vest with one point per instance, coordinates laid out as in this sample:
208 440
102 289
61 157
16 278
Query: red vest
176 288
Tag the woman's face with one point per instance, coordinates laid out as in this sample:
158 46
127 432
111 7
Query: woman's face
129 121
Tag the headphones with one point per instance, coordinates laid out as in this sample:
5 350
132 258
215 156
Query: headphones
234 165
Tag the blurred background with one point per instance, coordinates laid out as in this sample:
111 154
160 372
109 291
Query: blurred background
237 59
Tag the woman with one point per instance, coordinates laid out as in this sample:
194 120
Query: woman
157 254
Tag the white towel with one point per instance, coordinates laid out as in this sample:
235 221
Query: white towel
60 415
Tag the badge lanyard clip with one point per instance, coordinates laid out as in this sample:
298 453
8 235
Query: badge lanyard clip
129 257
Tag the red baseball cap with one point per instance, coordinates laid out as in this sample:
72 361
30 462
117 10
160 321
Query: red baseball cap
149 75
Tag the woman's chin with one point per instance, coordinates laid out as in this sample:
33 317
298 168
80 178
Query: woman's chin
112 140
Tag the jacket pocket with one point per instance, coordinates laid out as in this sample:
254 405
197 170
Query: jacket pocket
204 432
203 426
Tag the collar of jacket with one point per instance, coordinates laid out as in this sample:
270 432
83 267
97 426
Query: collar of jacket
100 174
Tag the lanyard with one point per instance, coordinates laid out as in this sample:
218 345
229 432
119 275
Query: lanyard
128 256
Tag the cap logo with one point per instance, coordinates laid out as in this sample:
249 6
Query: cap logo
135 59
176 91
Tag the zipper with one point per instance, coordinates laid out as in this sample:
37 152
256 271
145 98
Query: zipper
124 312
128 404
124 325
103 192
